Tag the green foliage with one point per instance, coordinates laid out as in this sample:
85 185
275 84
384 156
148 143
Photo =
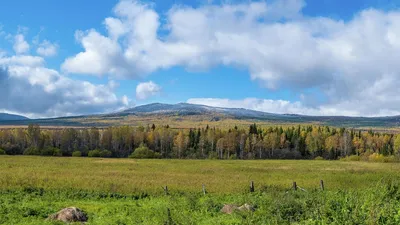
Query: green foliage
213 155
143 152
50 151
32 151
100 153
247 141
2 152
12 149
76 154
318 158
105 154
233 157
57 152
94 153
377 204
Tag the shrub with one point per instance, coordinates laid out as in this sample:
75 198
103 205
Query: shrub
94 153
76 154
57 152
318 158
390 159
32 151
212 155
351 158
12 149
375 157
50 151
105 154
143 152
2 152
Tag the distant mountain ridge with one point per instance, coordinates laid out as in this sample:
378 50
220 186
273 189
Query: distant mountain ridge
192 113
11 117
193 109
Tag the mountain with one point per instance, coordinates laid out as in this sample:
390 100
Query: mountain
191 115
185 109
11 117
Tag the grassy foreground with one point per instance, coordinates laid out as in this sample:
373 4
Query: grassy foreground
124 191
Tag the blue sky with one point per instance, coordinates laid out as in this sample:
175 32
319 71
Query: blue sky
284 56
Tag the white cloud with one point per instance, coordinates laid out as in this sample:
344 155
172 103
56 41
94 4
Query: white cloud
270 106
28 88
350 63
102 55
20 45
147 90
346 108
47 49
27 60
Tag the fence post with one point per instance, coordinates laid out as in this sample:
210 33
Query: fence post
165 190
169 221
322 185
294 186
252 186
204 189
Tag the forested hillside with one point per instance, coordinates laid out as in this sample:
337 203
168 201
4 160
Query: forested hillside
297 142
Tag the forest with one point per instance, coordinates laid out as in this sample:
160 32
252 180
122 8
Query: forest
254 142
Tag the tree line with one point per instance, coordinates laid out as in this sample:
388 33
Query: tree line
254 142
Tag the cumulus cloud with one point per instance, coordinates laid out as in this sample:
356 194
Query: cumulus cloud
33 90
47 49
146 90
350 63
20 45
273 106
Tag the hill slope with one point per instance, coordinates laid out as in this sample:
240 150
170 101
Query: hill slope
191 115
6 116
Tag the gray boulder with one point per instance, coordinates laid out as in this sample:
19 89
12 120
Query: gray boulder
68 215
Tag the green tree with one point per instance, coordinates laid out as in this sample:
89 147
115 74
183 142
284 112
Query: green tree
143 152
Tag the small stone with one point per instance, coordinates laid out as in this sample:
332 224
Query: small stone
229 209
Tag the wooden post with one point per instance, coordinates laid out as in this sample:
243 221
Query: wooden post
322 185
252 186
169 221
204 189
294 186
166 190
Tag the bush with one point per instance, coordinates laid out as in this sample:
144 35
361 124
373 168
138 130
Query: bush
94 153
105 154
318 158
32 151
351 158
12 149
375 157
143 152
57 152
50 151
76 154
212 155
2 152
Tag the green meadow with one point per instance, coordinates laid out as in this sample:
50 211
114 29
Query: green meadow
127 191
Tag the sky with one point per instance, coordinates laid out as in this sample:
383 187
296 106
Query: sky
313 57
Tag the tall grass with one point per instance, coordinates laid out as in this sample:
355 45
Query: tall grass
224 177
127 191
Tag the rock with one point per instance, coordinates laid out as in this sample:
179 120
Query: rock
71 214
246 207
229 209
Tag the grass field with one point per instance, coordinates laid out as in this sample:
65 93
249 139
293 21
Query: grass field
125 191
